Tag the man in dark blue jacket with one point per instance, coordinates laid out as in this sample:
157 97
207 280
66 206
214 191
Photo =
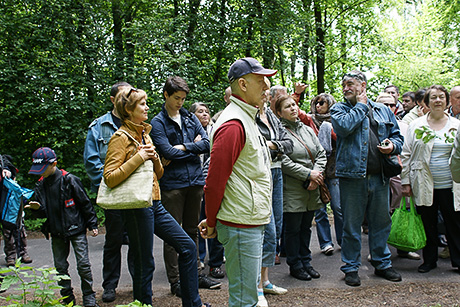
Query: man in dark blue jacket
365 132
180 138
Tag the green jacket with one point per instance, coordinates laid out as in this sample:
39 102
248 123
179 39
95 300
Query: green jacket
297 167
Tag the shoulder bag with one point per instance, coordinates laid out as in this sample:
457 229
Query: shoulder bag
407 232
324 193
133 193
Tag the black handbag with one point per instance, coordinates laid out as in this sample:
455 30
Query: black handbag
391 164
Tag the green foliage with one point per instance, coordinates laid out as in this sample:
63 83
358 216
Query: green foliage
36 286
59 58
427 134
33 224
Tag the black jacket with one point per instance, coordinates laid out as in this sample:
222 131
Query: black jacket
72 212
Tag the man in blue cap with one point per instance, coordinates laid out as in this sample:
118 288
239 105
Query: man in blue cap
238 186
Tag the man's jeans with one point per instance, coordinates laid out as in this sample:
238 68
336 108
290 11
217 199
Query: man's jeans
358 197
243 249
277 202
111 258
61 250
323 227
184 205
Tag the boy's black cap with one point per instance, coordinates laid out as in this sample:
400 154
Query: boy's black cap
41 158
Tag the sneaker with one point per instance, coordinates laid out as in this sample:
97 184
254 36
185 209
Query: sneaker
26 259
352 279
108 295
445 254
216 272
328 250
300 274
272 289
426 267
262 301
175 289
205 282
409 255
369 258
389 274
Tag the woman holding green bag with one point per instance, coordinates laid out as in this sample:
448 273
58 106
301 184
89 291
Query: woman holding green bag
426 175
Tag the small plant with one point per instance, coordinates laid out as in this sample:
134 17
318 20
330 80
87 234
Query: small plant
36 287
427 134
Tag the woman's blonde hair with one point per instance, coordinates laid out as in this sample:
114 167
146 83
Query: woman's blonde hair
126 100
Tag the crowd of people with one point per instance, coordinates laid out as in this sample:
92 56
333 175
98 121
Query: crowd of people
248 182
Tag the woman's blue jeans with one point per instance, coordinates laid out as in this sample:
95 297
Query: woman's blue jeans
141 224
323 227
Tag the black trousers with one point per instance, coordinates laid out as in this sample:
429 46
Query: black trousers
443 199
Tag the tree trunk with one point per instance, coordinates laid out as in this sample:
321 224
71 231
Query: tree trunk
221 39
320 47
118 73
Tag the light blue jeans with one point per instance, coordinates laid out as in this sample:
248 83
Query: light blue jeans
277 202
323 227
243 249
358 197
269 245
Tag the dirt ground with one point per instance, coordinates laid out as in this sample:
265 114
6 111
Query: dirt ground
408 295
423 294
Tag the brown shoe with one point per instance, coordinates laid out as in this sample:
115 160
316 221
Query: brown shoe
10 262
26 259
277 260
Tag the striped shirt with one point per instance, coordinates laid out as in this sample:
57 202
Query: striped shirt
439 162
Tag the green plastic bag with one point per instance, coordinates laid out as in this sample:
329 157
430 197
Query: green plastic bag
407 232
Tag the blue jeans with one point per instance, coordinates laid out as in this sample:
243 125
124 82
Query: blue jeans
297 235
323 227
139 225
115 237
277 202
167 229
61 250
243 249
371 197
215 248
269 245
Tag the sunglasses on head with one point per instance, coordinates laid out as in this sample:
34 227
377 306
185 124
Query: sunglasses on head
130 91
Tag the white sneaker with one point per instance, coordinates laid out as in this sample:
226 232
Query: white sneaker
262 301
328 250
272 289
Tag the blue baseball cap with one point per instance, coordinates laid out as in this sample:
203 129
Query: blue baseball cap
41 158
246 66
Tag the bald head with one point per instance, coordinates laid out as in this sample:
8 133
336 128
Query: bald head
454 99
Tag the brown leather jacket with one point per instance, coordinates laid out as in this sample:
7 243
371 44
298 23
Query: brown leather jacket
122 157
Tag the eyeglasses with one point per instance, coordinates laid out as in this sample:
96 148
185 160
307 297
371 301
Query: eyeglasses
130 91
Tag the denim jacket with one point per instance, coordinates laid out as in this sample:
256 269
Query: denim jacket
185 167
97 140
351 125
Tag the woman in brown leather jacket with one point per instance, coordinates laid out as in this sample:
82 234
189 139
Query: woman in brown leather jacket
124 156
